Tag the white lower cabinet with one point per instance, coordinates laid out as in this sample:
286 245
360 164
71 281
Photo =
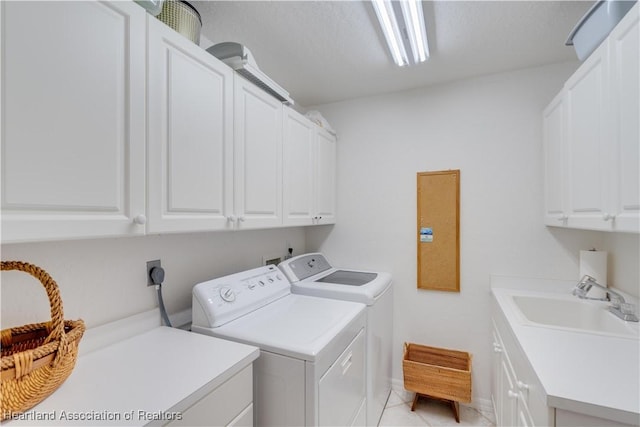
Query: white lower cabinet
517 395
231 404
309 168
509 400
190 137
73 120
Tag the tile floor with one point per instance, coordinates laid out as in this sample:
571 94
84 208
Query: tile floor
428 412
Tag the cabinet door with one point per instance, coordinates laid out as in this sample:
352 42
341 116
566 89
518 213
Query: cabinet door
73 119
325 173
496 357
190 144
257 157
624 50
586 97
298 174
509 395
554 161
523 418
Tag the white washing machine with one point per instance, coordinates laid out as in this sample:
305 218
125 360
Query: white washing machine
311 369
311 274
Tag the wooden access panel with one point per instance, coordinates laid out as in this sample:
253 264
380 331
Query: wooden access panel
438 231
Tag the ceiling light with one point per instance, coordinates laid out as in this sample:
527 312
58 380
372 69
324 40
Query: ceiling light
402 23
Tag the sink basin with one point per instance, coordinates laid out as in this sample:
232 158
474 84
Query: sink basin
573 314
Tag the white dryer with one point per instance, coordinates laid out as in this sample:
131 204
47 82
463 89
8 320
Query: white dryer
311 274
311 369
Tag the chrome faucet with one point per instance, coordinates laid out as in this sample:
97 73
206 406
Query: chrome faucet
619 306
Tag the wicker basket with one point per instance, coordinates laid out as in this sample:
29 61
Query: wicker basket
37 358
437 372
182 17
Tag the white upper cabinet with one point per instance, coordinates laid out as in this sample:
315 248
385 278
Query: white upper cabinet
554 162
592 138
587 139
624 51
190 136
298 197
121 126
309 187
73 123
257 157
325 178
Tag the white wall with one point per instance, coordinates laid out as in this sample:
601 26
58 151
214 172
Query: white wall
491 129
623 261
103 280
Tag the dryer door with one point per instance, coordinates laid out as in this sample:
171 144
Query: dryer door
342 387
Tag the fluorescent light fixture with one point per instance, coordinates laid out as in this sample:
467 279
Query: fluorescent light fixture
402 22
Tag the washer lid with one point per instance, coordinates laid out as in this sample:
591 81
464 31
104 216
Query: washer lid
330 284
296 325
348 277
311 274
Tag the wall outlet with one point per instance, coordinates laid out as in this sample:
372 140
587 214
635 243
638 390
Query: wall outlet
150 265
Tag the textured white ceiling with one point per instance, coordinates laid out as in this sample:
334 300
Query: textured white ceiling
326 51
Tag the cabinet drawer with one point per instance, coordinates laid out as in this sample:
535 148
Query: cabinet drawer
223 405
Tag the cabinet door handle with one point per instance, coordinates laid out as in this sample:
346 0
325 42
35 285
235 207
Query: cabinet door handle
140 219
231 218
523 386
512 394
608 217
563 217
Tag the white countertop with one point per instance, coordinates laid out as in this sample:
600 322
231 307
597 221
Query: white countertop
592 374
143 379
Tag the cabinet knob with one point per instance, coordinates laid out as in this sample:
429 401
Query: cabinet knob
608 217
497 348
140 219
563 217
231 218
512 394
241 218
523 386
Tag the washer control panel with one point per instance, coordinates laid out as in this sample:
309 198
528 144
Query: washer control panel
302 266
221 300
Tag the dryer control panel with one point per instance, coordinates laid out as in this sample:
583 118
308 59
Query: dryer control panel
221 300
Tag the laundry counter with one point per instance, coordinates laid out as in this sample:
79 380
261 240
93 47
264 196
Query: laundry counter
158 376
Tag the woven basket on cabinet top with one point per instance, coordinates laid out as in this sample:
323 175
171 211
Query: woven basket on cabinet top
37 358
